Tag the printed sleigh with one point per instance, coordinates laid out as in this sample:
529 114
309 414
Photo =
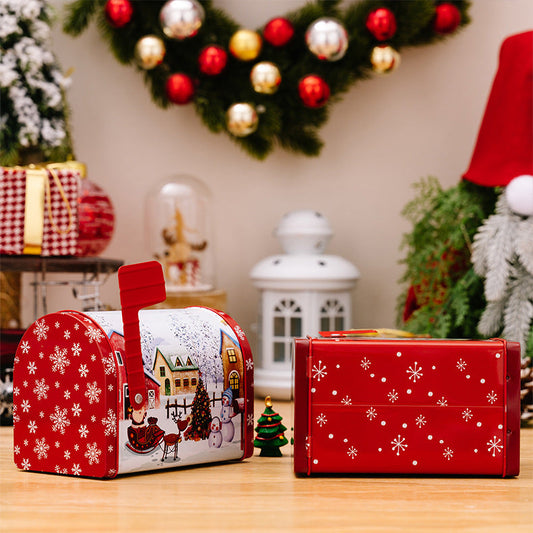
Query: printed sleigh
406 406
105 393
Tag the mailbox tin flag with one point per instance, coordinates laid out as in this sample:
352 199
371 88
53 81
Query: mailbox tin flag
396 406
74 411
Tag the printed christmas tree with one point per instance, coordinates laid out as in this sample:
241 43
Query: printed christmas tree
270 432
201 415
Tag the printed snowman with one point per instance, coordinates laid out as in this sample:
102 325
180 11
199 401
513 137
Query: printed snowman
226 415
215 435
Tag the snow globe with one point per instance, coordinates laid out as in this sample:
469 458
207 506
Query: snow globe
179 233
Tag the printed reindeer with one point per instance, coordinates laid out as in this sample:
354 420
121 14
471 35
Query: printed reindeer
171 440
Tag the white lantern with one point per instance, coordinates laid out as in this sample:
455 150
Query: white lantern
303 291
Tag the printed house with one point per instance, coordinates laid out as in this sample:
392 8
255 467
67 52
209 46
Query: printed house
152 385
176 376
232 363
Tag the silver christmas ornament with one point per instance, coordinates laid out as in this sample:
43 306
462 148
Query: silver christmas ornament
327 39
181 18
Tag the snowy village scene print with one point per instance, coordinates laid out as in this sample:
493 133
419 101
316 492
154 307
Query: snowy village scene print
195 378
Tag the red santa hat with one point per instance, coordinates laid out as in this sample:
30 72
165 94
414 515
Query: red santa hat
504 147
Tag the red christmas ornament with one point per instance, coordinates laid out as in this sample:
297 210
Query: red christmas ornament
314 91
179 88
118 12
278 31
447 18
212 60
96 219
381 23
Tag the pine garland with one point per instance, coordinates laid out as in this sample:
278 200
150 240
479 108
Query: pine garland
284 120
442 295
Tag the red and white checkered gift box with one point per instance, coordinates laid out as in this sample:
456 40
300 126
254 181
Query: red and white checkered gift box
38 205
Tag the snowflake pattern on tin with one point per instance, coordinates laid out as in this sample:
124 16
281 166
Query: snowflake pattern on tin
420 421
371 413
393 396
40 329
461 365
321 419
467 415
59 360
399 445
492 397
415 372
365 363
352 452
319 371
494 446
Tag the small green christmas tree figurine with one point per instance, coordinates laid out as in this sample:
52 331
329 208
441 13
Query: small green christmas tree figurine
270 436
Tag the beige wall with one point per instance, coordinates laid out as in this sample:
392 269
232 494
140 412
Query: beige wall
387 133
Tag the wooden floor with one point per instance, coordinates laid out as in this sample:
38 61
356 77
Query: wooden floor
262 495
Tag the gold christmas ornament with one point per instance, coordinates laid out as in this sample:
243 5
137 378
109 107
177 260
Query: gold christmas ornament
245 45
149 52
241 119
327 39
181 18
265 77
384 59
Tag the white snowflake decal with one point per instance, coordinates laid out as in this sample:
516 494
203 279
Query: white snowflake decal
392 396
110 424
398 444
495 446
83 370
25 464
25 406
321 419
371 413
94 334
59 419
319 371
76 470
109 364
443 402
40 329
420 421
346 401
492 397
250 420
41 448
415 372
249 364
93 392
467 415
76 349
448 453
76 409
32 367
365 363
66 455
41 389
25 346
352 452
93 453
83 432
59 359
461 365
32 426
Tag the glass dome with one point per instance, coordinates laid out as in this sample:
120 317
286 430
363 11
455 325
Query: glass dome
178 225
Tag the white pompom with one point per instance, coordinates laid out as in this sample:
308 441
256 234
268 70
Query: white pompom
519 195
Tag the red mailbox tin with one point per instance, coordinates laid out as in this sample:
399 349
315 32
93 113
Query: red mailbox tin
417 406
87 403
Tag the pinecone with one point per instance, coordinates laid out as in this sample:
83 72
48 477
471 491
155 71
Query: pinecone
526 391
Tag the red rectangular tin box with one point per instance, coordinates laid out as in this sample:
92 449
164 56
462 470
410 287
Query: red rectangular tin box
397 406
105 393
